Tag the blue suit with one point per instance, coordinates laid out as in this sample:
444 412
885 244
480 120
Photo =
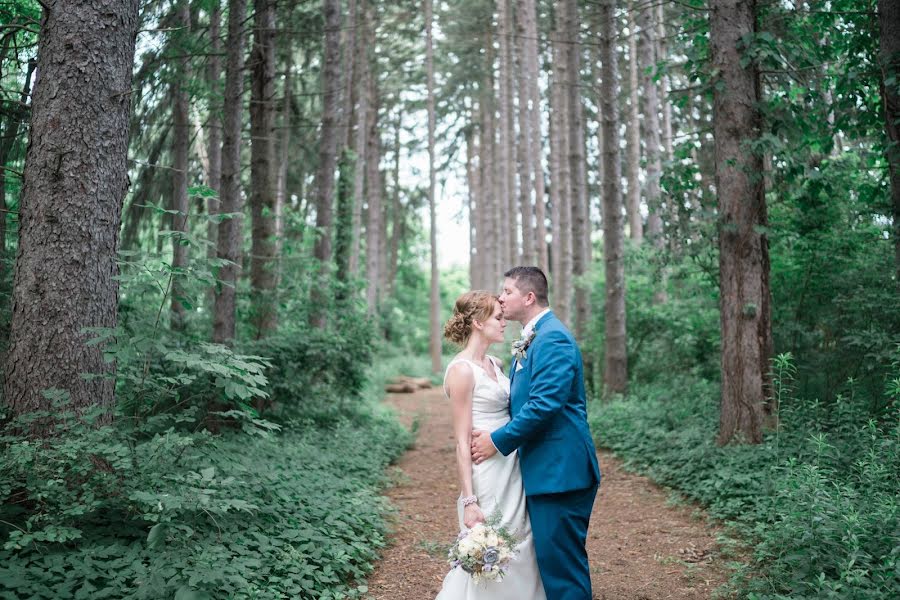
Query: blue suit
556 454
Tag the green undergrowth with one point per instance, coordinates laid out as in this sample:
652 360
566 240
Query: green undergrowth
817 501
267 511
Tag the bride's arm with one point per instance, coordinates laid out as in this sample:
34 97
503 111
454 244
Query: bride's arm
460 382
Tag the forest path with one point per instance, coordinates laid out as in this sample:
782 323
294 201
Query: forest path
640 547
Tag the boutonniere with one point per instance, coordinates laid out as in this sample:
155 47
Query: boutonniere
520 346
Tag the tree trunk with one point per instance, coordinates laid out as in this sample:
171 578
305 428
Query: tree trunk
532 99
889 57
578 200
505 158
652 143
662 46
743 246
214 146
397 220
472 184
373 194
281 195
615 368
229 234
214 138
488 243
361 74
324 186
263 171
71 206
435 319
562 205
181 141
143 188
633 137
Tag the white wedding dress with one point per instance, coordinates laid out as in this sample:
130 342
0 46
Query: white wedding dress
498 484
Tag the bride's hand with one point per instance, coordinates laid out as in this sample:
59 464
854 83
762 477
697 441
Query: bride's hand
472 516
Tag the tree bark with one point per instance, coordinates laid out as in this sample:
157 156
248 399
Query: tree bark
71 206
615 368
743 245
361 74
530 70
374 243
397 218
214 142
281 195
578 200
229 234
560 181
181 141
324 185
505 162
472 184
652 143
633 137
889 57
488 243
662 46
435 304
263 171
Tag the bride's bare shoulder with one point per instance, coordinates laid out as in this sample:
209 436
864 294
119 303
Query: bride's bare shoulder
459 373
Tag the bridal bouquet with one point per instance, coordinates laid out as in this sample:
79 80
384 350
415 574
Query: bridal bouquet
484 551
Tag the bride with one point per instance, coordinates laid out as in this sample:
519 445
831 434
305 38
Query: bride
479 393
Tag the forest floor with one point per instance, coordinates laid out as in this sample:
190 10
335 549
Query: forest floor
641 546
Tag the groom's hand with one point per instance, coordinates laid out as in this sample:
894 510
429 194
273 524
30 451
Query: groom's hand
482 446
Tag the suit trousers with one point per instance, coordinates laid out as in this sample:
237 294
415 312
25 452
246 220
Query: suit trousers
559 524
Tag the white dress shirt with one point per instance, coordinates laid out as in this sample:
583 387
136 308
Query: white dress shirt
530 325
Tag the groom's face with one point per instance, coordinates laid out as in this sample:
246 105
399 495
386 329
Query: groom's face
513 300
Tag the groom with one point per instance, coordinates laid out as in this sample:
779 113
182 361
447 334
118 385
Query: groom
549 428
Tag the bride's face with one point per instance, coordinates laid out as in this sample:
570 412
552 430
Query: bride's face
493 328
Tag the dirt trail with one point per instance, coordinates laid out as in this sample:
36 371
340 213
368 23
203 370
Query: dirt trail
640 548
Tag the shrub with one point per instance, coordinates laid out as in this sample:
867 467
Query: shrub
817 499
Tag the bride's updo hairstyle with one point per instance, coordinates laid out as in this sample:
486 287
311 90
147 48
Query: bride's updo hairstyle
471 306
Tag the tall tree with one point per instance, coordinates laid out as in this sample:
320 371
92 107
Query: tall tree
488 243
324 184
214 120
181 142
652 142
578 197
75 180
745 311
229 234
527 10
523 160
263 170
615 369
662 55
561 172
889 24
505 168
358 129
435 315
374 208
633 137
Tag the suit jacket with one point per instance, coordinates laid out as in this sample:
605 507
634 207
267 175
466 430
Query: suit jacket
549 414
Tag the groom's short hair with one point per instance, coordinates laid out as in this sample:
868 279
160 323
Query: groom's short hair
531 279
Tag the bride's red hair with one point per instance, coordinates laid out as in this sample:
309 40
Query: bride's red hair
477 305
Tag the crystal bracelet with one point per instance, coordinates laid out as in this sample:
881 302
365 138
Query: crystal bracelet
469 500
